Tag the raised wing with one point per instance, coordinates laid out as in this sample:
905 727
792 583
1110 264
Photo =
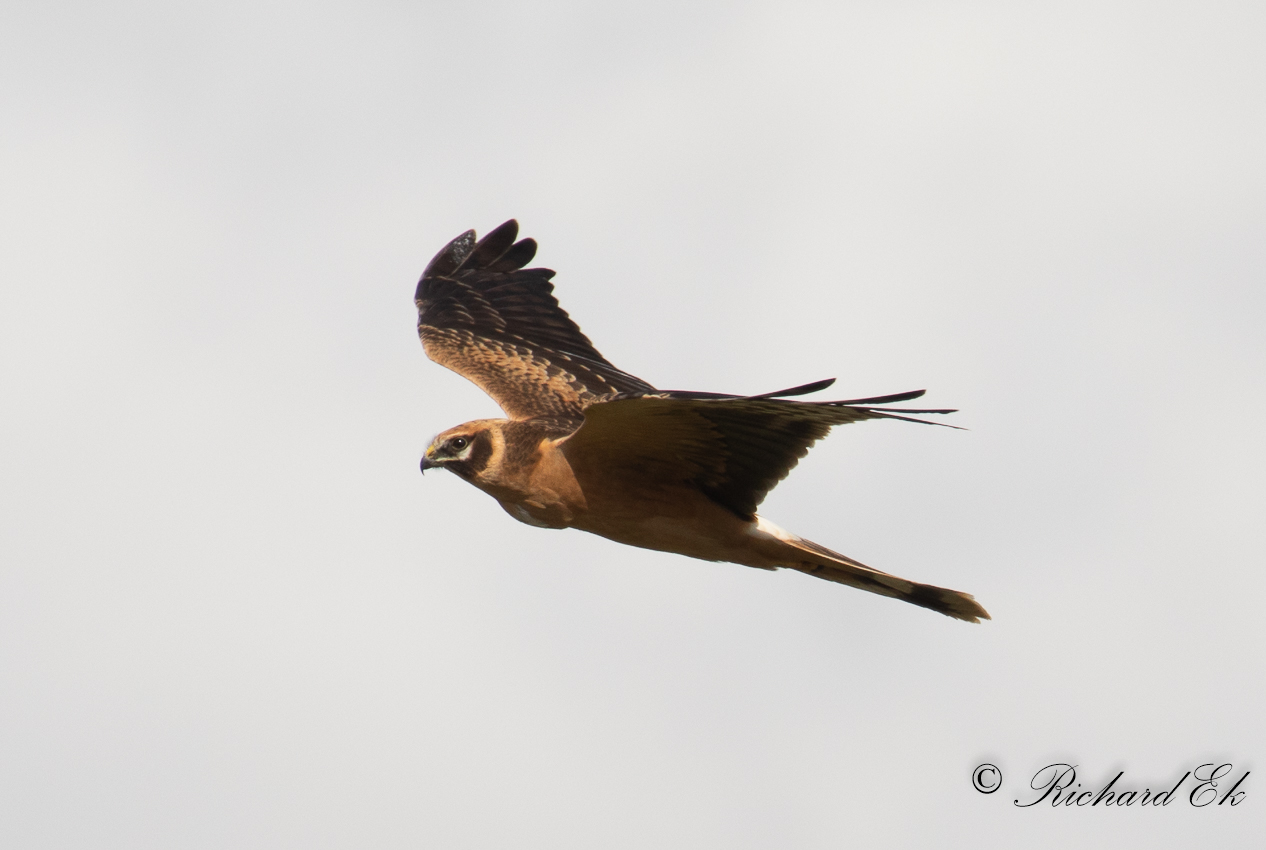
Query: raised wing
483 315
734 449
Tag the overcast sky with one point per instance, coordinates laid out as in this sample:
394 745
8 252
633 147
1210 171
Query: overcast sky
233 614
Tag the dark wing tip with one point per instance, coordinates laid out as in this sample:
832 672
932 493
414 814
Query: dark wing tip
496 252
886 399
495 243
803 389
451 256
893 412
516 256
887 413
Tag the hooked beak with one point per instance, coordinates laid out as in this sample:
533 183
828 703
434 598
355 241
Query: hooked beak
427 463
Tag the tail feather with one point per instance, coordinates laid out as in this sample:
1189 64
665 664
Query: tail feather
832 566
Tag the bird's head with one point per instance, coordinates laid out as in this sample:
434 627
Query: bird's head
465 450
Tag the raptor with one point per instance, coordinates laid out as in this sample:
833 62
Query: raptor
585 445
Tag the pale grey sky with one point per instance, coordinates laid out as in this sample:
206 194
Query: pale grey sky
233 614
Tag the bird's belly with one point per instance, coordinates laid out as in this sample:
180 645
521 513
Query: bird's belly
696 528
668 535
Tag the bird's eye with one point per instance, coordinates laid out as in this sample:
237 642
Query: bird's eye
457 443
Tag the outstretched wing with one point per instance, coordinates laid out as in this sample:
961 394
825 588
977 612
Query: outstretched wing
483 315
734 449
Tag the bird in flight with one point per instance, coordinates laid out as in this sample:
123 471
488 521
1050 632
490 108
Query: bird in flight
588 446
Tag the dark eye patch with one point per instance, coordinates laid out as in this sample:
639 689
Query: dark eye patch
476 460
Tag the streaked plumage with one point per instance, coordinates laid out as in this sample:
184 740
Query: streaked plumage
589 446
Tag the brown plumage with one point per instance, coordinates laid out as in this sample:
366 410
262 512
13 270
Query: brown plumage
589 446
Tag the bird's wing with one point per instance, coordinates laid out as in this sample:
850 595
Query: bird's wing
734 449
483 315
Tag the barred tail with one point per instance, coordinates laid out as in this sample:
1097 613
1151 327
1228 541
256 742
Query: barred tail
806 556
832 566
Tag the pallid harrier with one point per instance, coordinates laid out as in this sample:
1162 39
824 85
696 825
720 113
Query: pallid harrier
588 446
